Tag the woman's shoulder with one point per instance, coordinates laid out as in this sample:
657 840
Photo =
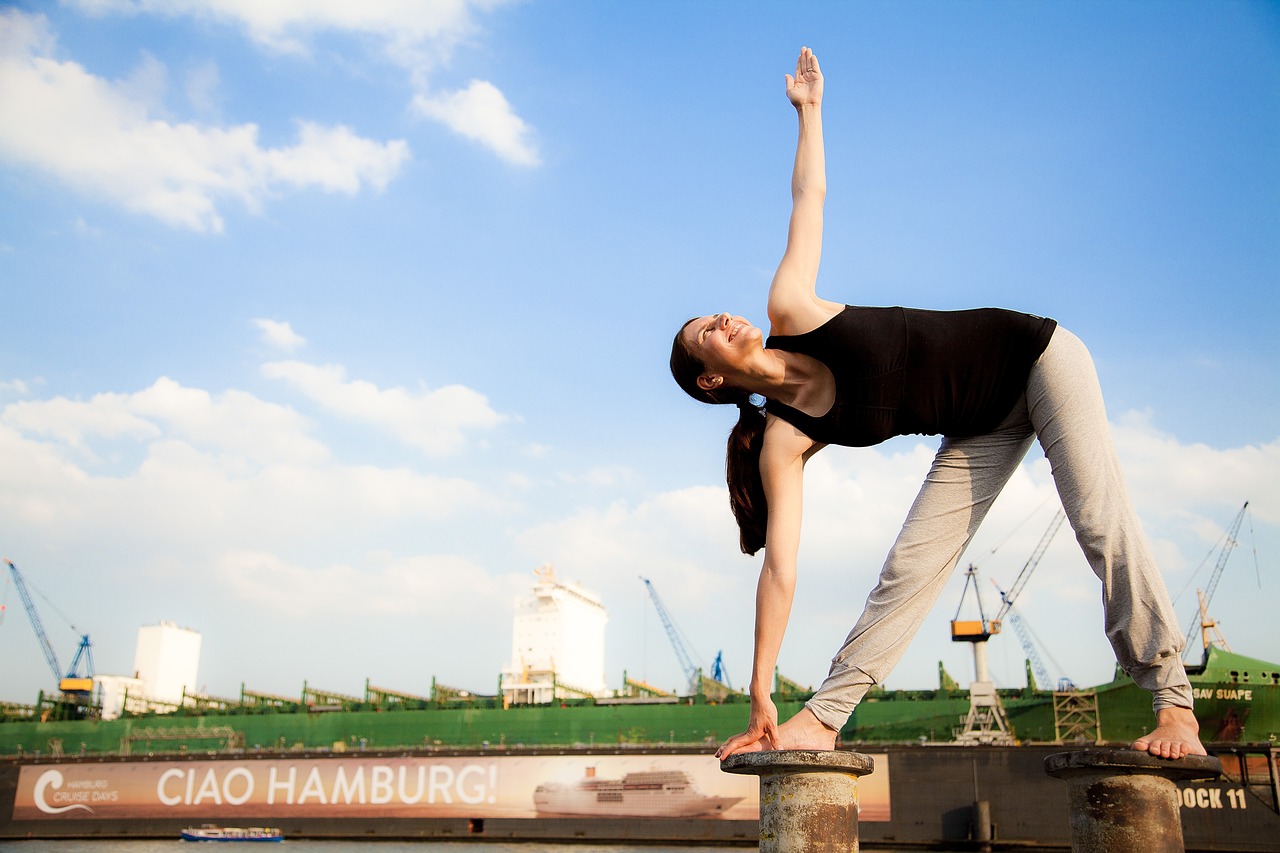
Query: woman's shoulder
802 316
784 441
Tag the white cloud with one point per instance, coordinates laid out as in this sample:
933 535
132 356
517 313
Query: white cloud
422 585
415 35
147 86
232 422
202 88
480 112
74 423
287 25
279 334
209 506
685 537
1174 478
335 159
195 472
434 421
91 134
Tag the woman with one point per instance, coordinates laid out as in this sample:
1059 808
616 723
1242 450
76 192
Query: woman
988 381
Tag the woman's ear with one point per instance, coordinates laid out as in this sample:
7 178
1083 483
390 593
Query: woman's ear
710 381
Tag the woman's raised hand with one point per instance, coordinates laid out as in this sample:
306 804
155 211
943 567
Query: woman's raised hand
805 88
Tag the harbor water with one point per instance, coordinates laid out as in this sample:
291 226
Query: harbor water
316 846
320 846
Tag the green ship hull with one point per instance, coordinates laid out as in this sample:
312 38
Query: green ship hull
1237 701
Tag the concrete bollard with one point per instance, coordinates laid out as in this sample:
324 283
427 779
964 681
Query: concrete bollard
982 834
808 798
1123 800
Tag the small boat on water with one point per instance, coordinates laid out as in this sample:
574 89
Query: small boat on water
209 832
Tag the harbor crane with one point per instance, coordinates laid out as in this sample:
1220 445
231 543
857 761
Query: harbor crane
77 683
1029 566
1020 626
718 671
1209 633
697 682
986 721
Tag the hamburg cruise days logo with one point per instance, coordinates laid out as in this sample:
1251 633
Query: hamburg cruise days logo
53 779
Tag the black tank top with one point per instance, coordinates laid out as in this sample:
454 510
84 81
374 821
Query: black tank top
905 370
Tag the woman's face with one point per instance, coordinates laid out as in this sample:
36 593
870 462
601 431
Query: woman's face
722 342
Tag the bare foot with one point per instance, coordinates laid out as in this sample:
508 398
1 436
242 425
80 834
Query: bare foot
803 731
1177 734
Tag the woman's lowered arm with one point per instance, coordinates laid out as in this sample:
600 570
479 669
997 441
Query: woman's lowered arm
782 462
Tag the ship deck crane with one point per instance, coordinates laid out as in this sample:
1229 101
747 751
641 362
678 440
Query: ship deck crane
75 682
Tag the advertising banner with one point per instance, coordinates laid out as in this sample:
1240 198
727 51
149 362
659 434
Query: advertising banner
476 786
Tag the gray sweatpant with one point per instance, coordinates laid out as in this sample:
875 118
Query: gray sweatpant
1062 407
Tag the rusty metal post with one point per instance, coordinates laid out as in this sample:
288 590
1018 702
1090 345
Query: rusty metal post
1122 800
808 798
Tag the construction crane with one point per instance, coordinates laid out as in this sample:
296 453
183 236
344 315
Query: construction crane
75 682
1208 627
696 681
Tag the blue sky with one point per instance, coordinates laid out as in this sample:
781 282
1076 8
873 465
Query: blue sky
324 327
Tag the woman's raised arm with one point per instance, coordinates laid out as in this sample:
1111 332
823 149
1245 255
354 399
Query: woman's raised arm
794 306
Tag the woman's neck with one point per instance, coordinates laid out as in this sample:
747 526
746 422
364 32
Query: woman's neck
793 379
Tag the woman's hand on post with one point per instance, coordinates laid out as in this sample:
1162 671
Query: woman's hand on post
761 733
805 88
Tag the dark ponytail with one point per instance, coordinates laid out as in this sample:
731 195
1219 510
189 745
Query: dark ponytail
742 456
742 472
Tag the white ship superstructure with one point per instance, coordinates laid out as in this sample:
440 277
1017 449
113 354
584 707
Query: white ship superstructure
557 647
